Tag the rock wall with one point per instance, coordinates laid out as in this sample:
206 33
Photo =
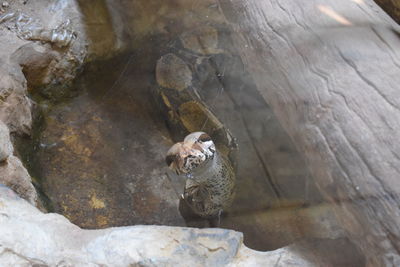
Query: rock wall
15 116
43 46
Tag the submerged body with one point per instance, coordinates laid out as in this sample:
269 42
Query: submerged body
210 183
211 191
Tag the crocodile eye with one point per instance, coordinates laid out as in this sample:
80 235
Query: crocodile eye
204 138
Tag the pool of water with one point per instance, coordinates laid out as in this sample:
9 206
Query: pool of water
98 155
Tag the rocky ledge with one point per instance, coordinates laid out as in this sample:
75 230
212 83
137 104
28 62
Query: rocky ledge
29 237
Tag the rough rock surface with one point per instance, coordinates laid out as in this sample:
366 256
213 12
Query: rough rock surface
29 237
6 148
15 106
26 24
14 175
35 61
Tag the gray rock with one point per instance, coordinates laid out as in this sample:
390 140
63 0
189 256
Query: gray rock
15 106
29 237
14 175
35 61
48 71
6 148
283 257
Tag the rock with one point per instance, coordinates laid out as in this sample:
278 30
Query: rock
12 80
16 113
14 175
29 237
172 72
15 106
28 28
47 71
6 148
282 257
60 51
35 61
